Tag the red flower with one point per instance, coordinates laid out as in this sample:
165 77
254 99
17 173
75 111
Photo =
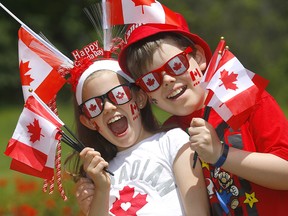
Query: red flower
24 210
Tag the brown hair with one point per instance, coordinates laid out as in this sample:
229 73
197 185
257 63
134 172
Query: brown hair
143 50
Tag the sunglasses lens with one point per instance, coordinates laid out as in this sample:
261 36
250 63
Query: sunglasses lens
120 95
150 82
92 107
177 65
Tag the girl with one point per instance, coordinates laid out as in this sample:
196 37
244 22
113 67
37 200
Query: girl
152 175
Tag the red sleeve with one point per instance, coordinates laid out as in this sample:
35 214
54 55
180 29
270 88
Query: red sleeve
269 127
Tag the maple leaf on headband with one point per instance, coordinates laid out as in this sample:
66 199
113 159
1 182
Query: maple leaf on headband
228 80
25 78
128 204
35 131
142 3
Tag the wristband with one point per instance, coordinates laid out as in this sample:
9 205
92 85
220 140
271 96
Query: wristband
223 157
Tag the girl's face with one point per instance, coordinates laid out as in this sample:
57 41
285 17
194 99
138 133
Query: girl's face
119 124
179 95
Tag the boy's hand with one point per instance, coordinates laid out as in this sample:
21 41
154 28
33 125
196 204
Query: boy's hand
204 140
84 194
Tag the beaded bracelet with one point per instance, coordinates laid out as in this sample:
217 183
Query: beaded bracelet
223 157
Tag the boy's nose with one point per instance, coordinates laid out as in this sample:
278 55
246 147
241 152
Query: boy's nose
168 79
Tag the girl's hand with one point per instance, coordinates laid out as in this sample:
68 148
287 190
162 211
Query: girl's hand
94 165
204 140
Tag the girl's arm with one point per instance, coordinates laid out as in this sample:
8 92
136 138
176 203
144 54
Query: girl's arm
191 183
93 165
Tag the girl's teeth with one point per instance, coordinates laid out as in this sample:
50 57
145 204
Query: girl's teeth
114 119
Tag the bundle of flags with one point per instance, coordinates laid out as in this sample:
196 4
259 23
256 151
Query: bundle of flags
232 89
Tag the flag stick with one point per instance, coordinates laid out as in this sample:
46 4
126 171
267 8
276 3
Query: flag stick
105 169
208 75
56 51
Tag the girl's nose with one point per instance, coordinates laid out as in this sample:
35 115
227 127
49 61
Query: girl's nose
108 106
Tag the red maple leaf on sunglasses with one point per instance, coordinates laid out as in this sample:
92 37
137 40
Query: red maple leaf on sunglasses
150 82
177 66
120 95
92 107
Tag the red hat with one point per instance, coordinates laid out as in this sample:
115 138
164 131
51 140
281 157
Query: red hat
137 32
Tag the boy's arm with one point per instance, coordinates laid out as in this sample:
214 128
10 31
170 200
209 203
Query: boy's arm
84 194
191 183
265 169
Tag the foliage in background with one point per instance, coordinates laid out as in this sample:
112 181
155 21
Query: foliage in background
256 32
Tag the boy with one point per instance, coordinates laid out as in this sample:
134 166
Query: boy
250 177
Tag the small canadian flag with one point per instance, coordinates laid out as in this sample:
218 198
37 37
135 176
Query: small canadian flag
140 11
33 143
232 89
38 67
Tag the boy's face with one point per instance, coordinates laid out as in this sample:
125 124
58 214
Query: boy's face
179 95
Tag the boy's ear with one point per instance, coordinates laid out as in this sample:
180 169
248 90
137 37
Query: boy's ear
200 57
88 122
141 98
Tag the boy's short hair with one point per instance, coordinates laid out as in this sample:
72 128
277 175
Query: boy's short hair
139 32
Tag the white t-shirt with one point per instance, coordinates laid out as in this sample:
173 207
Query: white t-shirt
143 182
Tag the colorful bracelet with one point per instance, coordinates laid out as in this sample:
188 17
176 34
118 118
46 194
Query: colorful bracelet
223 157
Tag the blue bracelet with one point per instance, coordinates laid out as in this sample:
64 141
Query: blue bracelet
223 157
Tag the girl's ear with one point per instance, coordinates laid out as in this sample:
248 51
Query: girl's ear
141 99
200 58
88 122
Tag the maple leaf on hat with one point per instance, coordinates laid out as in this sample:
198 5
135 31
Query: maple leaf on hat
228 80
142 3
25 78
35 130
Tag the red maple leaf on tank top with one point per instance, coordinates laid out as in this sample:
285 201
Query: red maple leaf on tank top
128 203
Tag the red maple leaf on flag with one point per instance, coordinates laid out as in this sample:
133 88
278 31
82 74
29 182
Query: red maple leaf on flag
120 95
25 78
92 107
150 82
177 66
228 80
142 3
127 204
35 131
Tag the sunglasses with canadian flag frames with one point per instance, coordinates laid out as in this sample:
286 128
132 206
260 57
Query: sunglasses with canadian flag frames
118 95
175 66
